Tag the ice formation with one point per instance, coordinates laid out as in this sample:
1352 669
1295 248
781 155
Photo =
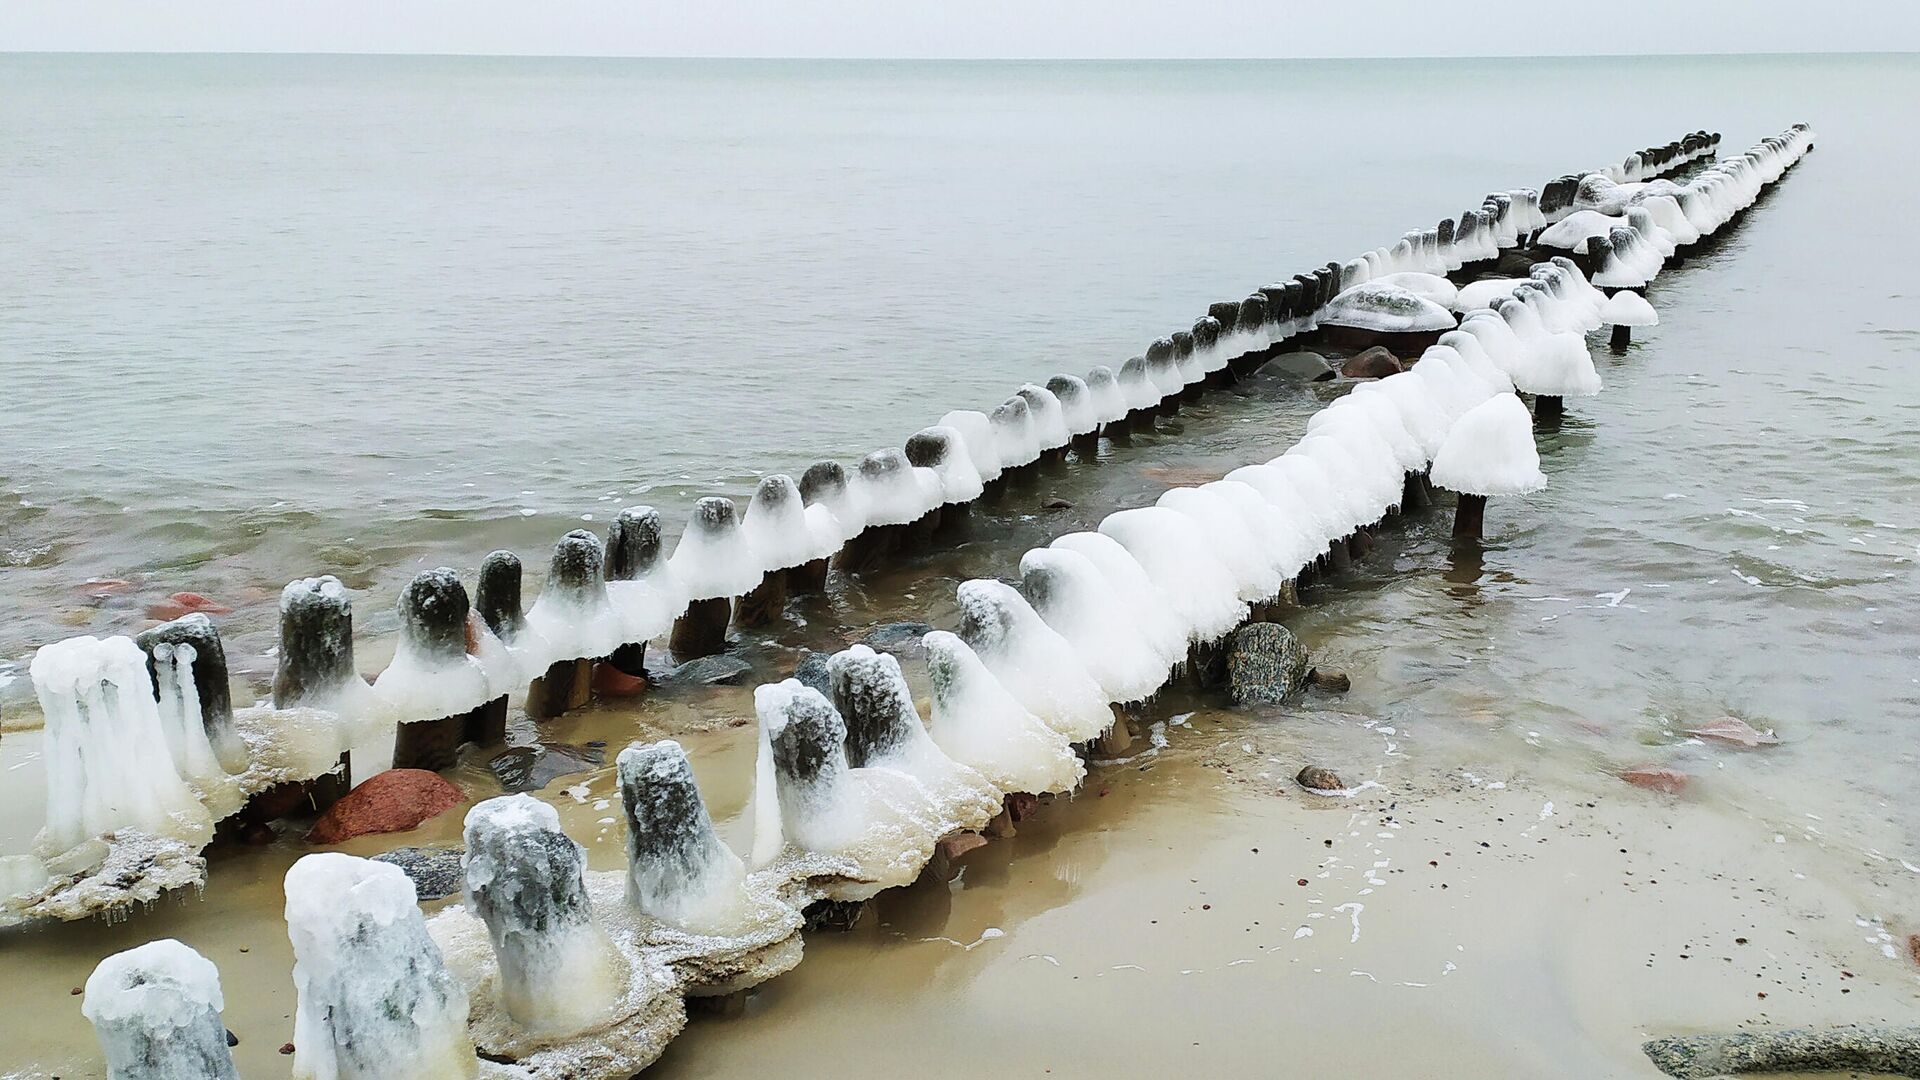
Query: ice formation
1426 286
835 512
776 526
1036 665
432 674
1424 420
375 999
1072 596
1136 386
109 766
1628 309
645 594
573 615
316 648
156 1011
1161 369
943 450
1149 610
1256 575
882 820
1109 402
896 491
1490 451
1178 557
525 879
678 869
713 559
1386 309
1076 403
188 664
976 435
884 731
1482 293
977 723
1015 438
1549 363
1049 418
1368 490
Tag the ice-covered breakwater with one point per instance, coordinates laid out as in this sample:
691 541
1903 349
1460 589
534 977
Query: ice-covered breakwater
853 789
603 601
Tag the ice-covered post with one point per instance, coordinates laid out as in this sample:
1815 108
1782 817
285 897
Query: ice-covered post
776 525
156 1011
109 765
316 643
715 564
375 999
498 596
934 448
433 610
1083 423
823 484
1488 451
678 869
1626 310
1253 319
188 666
633 551
576 583
1165 375
526 879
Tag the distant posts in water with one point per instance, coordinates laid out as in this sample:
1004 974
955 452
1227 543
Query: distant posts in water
712 560
316 643
576 583
823 484
156 1011
633 550
434 610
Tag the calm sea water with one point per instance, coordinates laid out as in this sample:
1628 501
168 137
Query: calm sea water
274 316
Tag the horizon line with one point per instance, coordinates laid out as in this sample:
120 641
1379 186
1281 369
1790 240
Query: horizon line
398 54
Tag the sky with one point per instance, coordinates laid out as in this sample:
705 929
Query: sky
959 28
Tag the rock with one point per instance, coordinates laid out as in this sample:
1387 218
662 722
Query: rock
1021 805
1305 366
1734 731
812 672
435 872
1375 363
1321 779
610 682
1656 778
1880 1051
1265 663
532 767
185 603
902 639
709 671
393 801
958 844
1057 504
1333 682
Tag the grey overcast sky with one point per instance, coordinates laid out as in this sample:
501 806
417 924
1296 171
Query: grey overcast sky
960 28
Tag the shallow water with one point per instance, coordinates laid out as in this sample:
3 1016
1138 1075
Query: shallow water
1729 527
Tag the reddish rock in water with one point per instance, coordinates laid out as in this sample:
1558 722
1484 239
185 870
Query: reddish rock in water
185 603
1733 730
1656 778
1913 947
393 801
1375 363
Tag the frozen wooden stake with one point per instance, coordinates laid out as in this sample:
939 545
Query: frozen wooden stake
633 549
316 643
576 573
156 1011
823 484
433 610
192 641
715 551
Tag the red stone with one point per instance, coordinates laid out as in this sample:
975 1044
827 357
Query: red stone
185 603
957 844
393 801
1021 805
1732 729
1656 778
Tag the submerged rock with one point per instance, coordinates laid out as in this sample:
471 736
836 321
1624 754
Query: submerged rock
393 801
900 638
1265 663
1656 778
435 872
1734 731
812 672
709 671
532 767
